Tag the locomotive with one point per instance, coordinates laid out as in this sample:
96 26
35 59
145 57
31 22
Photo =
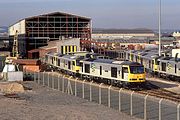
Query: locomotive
91 66
163 66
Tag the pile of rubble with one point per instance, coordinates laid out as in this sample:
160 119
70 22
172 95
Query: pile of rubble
11 87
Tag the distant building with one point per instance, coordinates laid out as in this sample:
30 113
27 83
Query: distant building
60 46
164 40
69 45
36 31
176 34
121 33
176 52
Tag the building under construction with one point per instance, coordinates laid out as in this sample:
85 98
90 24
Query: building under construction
36 31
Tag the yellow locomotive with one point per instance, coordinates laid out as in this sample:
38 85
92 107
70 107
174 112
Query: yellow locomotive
93 67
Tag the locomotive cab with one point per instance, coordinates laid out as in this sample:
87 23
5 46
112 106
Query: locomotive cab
133 73
155 65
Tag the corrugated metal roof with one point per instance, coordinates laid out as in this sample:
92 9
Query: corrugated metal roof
124 41
52 13
27 61
60 13
104 60
110 61
122 31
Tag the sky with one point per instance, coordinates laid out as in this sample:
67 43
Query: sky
104 13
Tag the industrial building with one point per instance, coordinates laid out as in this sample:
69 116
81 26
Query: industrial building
121 33
61 46
36 31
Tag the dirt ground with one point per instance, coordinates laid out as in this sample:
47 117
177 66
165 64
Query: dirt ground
42 103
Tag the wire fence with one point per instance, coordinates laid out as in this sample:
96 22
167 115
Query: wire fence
129 102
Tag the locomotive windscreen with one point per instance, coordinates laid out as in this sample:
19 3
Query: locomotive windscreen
136 69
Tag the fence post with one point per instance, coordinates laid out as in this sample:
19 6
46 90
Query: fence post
38 77
48 79
100 93
43 78
109 96
83 89
131 103
178 114
63 83
52 79
58 82
160 108
90 94
120 99
145 107
69 88
34 76
75 87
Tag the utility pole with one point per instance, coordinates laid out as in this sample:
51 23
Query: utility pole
159 27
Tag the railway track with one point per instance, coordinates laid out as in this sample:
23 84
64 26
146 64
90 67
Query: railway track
163 78
155 91
162 93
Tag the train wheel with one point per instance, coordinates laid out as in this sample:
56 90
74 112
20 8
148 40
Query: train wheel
124 85
159 75
173 78
113 82
120 85
153 73
109 82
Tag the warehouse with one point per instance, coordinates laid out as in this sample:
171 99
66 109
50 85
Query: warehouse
121 33
36 31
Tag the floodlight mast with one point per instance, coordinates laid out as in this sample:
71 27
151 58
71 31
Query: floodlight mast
159 27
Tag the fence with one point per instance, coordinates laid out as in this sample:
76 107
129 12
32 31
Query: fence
140 106
11 76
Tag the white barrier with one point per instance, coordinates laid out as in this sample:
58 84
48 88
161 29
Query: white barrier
15 76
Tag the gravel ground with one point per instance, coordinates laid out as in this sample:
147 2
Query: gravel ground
42 103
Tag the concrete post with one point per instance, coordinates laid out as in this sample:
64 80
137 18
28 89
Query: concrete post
83 89
160 101
70 91
100 93
75 87
131 112
52 81
178 114
48 79
34 76
90 94
145 107
58 82
63 83
38 77
109 96
43 78
120 99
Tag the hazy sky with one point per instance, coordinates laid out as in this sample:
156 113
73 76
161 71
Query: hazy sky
104 13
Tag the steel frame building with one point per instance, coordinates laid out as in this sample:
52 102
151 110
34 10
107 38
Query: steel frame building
36 31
